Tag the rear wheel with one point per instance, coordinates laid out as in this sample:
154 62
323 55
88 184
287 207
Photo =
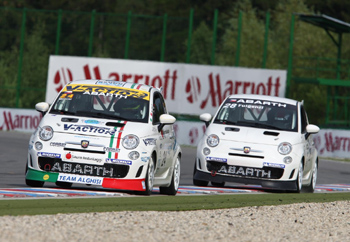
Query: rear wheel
175 180
198 182
311 187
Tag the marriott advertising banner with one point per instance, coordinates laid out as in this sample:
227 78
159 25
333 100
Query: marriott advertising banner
187 88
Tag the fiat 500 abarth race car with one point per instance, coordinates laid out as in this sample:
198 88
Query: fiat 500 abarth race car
258 140
113 134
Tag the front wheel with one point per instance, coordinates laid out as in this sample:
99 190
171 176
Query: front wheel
33 183
175 181
149 178
64 184
311 187
299 180
218 184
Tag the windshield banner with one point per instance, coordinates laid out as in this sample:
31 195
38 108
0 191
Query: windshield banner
199 88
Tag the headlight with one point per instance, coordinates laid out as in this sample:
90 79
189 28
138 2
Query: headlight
130 142
213 140
46 133
284 148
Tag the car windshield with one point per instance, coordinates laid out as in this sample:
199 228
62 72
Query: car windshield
98 106
258 114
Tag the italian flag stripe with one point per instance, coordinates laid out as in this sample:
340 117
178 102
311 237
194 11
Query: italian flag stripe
118 140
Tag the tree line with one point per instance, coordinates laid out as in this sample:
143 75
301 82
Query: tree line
146 38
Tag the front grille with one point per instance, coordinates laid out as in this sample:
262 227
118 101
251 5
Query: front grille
106 170
243 171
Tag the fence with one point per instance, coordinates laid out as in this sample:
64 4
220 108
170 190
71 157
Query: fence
59 32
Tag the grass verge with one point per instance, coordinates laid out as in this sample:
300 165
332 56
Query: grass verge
159 203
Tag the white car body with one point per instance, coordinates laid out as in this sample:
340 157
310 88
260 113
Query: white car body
90 147
241 145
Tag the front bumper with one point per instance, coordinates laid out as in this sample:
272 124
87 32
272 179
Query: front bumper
115 183
219 178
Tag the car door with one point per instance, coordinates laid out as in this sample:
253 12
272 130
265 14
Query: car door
166 136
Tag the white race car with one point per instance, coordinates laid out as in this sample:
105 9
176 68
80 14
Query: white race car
258 140
113 134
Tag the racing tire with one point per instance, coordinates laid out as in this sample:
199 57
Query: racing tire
64 184
175 181
311 187
218 184
149 178
299 180
33 183
198 182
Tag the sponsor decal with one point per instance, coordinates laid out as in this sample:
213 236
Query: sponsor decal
118 161
85 137
258 102
145 159
110 83
51 155
274 165
46 177
83 169
150 141
245 171
208 158
91 121
80 179
111 149
66 96
234 105
107 91
72 157
57 144
89 129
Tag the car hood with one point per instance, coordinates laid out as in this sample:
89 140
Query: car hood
252 135
92 126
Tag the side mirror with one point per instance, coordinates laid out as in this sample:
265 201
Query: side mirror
165 119
205 117
312 129
42 107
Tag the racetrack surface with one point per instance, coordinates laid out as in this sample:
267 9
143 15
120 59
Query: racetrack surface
28 192
333 176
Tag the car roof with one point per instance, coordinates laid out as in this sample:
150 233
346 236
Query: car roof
104 82
264 97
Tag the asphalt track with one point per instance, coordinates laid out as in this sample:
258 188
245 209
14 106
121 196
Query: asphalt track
333 176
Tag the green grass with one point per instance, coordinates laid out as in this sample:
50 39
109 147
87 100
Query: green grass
158 203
